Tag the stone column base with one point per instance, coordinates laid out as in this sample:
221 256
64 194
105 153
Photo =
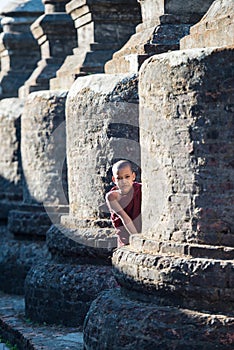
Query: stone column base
179 278
62 290
62 293
98 234
16 259
67 244
33 221
118 323
6 206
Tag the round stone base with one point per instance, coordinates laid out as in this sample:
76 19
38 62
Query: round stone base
16 259
118 323
62 293
34 221
79 245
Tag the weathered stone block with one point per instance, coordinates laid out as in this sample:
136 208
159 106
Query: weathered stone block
19 51
56 37
117 19
216 29
130 324
189 193
43 148
44 163
62 293
10 159
164 23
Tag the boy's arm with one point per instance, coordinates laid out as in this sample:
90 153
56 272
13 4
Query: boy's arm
113 204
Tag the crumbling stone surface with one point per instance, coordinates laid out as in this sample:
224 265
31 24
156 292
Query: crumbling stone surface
10 159
185 281
163 25
30 223
19 51
44 147
62 293
55 34
73 245
117 19
99 133
187 130
16 259
43 152
215 29
130 324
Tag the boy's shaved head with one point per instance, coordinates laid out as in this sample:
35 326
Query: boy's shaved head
120 165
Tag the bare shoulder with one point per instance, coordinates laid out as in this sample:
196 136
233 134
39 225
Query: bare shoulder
113 195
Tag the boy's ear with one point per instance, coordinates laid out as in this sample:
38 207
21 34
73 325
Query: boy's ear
113 179
134 175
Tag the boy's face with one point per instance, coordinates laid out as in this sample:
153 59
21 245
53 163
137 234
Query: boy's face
124 178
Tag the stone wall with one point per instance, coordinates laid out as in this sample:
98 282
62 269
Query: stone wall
177 274
43 154
193 171
102 28
19 51
10 159
164 23
99 132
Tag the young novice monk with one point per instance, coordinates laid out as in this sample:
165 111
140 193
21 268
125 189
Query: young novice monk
124 202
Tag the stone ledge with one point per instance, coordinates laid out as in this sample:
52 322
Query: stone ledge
16 259
80 245
27 335
151 246
116 322
34 221
189 281
62 293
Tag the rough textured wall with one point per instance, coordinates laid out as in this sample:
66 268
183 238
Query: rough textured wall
186 138
10 158
102 125
10 167
43 147
19 51
102 28
215 29
164 23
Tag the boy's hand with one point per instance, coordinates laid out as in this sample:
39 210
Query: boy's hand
112 199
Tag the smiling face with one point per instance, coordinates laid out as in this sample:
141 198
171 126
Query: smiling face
124 178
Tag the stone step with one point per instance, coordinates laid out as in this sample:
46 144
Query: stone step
26 335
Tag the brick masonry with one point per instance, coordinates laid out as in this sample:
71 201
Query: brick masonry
188 100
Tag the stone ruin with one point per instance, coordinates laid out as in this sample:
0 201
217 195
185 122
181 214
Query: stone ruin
173 120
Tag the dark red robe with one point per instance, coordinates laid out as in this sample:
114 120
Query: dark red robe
131 203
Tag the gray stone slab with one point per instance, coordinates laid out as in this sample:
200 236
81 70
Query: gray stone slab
18 330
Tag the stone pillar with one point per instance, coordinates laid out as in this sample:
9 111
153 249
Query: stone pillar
56 36
19 55
44 165
164 23
103 27
10 159
176 277
98 133
19 51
